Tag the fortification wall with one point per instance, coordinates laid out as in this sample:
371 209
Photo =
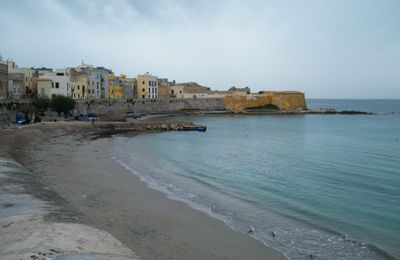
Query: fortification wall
149 106
238 102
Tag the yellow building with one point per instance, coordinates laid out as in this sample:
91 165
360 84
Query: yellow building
78 89
115 89
43 87
147 87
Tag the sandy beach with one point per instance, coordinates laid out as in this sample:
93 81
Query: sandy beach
84 174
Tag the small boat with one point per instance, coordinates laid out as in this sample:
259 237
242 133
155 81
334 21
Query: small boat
201 128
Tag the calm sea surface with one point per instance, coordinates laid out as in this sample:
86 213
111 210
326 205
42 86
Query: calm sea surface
328 185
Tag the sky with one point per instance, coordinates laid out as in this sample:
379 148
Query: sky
324 48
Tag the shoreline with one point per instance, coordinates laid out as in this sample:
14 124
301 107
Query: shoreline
152 225
35 221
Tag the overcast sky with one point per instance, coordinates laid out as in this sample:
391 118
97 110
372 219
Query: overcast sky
325 48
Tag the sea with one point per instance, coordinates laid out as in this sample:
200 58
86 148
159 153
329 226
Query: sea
311 186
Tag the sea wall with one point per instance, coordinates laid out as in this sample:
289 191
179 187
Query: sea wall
289 100
236 102
149 106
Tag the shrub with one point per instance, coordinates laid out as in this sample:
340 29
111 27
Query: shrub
41 103
62 104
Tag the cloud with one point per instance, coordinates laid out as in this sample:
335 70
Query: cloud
324 48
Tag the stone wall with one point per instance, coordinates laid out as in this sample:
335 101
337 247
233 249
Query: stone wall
149 106
238 102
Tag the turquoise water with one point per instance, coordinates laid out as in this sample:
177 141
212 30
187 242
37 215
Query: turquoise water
327 185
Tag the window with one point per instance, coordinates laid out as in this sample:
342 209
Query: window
52 84
57 85
142 96
149 90
143 90
78 87
143 83
60 74
180 91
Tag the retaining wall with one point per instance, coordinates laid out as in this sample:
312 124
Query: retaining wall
148 106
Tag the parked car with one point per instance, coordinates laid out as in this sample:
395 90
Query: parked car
88 117
20 118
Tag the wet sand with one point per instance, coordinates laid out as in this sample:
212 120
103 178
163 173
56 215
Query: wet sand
83 173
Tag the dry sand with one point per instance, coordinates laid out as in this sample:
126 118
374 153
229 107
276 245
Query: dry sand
113 199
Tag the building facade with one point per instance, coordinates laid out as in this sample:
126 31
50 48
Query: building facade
43 87
115 89
24 79
97 81
129 86
16 85
3 81
78 87
147 86
60 83
20 81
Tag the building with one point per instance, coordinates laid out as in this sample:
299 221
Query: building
174 91
60 83
3 81
97 81
43 87
20 81
78 84
23 78
165 88
10 64
166 82
16 85
78 88
147 86
115 89
129 86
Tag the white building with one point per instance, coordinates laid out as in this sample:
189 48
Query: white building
60 82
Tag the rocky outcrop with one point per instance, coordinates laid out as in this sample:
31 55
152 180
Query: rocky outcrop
284 100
